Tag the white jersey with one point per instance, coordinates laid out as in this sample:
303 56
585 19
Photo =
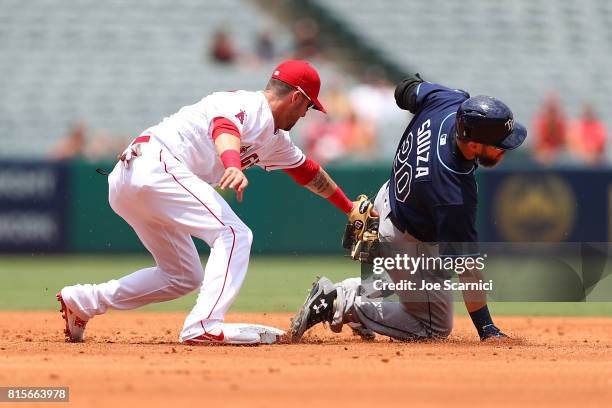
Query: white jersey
188 135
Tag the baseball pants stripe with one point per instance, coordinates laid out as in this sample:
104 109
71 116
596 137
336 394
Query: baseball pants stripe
167 205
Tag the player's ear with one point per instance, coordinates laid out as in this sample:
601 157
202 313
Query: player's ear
296 97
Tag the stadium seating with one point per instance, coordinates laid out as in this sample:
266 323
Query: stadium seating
117 65
516 50
121 66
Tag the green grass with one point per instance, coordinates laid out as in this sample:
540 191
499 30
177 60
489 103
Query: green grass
274 283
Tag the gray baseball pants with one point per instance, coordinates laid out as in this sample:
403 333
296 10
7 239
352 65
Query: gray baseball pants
430 316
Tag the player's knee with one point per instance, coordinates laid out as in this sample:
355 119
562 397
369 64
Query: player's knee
244 235
196 279
249 236
186 279
187 284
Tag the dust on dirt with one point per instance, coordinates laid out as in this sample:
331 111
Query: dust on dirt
134 359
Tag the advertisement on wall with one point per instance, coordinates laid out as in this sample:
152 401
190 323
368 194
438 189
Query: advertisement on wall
33 202
555 206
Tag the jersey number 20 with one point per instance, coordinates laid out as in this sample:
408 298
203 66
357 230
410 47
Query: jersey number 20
402 170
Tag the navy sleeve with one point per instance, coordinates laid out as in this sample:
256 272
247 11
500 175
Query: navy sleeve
456 230
427 93
405 95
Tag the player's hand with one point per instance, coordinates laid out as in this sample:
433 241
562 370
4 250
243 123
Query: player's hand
358 217
362 209
361 231
235 179
491 332
354 213
355 210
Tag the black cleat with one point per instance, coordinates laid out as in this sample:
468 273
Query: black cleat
318 307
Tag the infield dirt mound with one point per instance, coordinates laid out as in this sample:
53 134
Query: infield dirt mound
133 359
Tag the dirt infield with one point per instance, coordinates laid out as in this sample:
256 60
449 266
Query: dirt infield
133 359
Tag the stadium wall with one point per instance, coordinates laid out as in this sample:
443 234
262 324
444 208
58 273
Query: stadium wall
63 207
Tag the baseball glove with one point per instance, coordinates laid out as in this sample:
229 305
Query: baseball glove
361 232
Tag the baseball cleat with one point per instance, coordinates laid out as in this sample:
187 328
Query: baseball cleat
238 334
75 326
318 307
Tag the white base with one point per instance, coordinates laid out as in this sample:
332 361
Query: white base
242 333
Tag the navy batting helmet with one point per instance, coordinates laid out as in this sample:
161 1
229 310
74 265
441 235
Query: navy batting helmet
486 120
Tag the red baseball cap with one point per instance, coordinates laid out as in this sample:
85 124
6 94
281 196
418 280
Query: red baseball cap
303 76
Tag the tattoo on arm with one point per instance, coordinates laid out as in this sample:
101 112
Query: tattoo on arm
321 184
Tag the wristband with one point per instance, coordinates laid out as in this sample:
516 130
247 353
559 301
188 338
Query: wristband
231 158
340 200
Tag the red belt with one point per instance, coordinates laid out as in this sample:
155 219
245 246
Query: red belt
145 139
141 139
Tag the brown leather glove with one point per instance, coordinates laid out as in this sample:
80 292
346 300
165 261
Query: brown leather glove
361 231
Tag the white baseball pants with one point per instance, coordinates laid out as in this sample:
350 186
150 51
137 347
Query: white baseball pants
167 205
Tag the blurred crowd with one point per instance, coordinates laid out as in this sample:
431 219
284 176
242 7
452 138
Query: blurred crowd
357 115
360 112
81 142
556 139
222 48
85 144
357 112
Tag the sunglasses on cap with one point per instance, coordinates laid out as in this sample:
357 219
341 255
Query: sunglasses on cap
310 104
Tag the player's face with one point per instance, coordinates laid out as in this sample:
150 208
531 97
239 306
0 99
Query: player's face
296 109
489 156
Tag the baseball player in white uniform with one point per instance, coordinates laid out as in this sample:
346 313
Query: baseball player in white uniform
163 186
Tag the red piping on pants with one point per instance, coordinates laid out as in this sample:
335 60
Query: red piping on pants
221 222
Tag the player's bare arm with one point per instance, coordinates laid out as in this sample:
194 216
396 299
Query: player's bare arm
310 175
322 184
228 147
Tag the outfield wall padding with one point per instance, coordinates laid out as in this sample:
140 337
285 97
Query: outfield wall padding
63 207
